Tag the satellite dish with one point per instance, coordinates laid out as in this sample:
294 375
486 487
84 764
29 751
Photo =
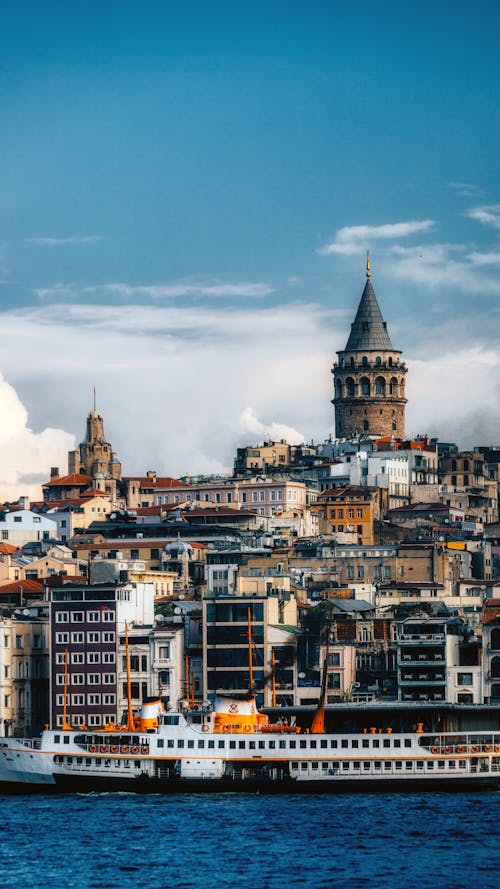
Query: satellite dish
26 612
177 610
302 675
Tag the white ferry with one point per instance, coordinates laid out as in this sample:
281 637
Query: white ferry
230 746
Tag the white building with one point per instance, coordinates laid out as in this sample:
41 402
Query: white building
22 526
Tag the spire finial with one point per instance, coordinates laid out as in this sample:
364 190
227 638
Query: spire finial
94 399
368 266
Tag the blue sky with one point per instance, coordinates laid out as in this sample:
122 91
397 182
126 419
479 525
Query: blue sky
188 193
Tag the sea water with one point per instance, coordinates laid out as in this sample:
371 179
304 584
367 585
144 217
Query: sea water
395 841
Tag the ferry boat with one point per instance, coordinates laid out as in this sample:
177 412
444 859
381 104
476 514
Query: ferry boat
231 746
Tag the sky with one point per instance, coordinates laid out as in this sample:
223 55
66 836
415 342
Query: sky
188 191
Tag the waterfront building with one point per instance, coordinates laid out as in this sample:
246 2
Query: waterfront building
24 670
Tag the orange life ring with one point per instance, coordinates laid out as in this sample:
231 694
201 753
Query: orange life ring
124 749
497 748
92 748
247 728
446 749
104 748
113 749
144 750
460 749
134 749
225 728
475 748
486 748
434 749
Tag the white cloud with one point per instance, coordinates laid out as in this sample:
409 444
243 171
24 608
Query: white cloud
157 291
435 265
489 215
24 453
350 239
255 430
466 189
484 258
64 242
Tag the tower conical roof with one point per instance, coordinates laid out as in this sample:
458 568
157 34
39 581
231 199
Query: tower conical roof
368 330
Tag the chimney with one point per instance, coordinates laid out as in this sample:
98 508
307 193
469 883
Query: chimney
24 503
54 472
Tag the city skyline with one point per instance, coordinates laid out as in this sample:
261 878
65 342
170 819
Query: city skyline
188 197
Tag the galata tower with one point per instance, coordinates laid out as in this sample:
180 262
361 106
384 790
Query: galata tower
369 376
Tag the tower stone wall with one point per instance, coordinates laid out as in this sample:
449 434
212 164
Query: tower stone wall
369 376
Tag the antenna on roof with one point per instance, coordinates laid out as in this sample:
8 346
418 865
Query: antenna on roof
368 265
94 399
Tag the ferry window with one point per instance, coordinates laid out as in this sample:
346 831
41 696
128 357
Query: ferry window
344 743
272 745
303 766
440 763
262 745
191 744
69 759
333 744
79 760
399 765
117 763
294 765
345 766
408 766
282 745
88 760
356 766
170 742
314 744
221 745
324 765
315 765
241 745
452 764
201 744
293 745
137 764
387 766
461 764
323 743
302 745
161 742
57 739
211 745
376 743
355 743
66 739
407 742
180 743
420 764
377 766
430 765
366 743
397 742
232 745
366 766
387 742
126 763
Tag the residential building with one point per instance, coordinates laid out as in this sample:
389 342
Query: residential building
24 671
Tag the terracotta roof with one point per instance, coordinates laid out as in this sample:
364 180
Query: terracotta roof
69 480
22 586
157 482
7 549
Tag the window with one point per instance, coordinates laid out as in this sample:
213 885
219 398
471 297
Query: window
464 678
164 650
77 657
92 616
94 657
108 657
108 616
62 617
94 699
77 638
62 638
108 637
94 679
93 638
77 617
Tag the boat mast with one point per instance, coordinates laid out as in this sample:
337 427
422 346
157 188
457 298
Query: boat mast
130 712
273 674
65 724
318 723
250 658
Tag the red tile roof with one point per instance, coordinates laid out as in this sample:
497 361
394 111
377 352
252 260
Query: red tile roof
22 586
69 481
156 482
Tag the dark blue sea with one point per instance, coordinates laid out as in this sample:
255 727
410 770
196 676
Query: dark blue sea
425 841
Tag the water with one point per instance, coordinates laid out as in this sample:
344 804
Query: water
404 841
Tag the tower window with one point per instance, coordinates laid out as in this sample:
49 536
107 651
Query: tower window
378 360
364 361
366 425
380 386
365 386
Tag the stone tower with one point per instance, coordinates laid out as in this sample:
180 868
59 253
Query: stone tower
95 456
369 376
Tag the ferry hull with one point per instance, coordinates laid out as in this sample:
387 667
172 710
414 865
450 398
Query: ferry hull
97 784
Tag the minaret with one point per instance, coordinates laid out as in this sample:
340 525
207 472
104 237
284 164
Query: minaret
369 376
